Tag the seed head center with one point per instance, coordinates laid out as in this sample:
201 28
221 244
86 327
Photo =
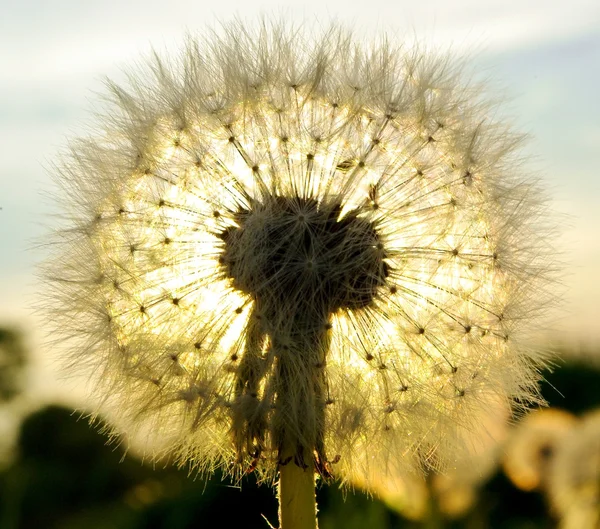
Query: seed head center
299 253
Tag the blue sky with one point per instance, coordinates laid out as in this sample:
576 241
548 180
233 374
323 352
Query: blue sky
543 57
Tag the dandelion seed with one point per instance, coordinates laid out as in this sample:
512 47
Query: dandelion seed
326 222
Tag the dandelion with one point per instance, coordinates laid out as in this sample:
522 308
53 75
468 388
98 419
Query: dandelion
533 444
300 257
574 476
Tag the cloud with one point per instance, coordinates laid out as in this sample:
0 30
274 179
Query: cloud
57 39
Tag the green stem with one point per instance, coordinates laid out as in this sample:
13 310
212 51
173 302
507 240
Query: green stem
297 502
434 519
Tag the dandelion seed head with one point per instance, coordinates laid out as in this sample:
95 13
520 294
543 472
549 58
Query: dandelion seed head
319 249
533 444
574 475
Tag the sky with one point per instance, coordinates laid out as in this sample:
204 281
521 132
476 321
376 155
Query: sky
542 57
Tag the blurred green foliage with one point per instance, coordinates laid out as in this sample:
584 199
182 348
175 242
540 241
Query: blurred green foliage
573 386
13 359
65 476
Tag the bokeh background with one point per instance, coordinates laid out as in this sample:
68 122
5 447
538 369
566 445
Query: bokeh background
542 58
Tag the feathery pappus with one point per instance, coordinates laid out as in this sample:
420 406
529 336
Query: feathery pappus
279 246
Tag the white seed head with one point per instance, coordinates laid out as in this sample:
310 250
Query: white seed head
277 243
533 444
574 476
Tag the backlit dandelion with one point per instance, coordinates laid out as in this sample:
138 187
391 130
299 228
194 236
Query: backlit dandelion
286 255
532 446
573 483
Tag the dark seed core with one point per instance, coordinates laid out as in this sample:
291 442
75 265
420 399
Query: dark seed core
290 252
546 452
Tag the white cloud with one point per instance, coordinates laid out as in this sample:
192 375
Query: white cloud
54 39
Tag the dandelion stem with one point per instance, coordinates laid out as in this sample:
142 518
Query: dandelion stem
434 518
297 502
